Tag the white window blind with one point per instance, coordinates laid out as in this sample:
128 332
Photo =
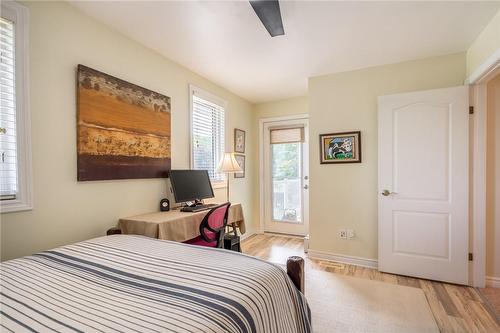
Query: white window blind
8 142
208 136
287 135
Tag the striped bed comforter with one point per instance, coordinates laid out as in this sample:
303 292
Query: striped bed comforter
127 283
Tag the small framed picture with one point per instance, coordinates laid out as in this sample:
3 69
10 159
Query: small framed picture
241 161
239 141
342 147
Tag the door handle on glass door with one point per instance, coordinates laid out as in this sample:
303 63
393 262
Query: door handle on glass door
386 193
306 187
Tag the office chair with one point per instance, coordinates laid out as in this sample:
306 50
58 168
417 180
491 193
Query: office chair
212 227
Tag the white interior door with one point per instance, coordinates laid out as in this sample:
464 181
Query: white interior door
423 184
286 177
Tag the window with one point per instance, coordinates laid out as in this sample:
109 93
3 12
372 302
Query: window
8 166
15 152
286 173
207 133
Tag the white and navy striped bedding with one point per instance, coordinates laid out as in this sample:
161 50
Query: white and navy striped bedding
128 283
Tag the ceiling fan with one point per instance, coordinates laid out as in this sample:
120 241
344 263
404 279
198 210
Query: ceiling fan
269 13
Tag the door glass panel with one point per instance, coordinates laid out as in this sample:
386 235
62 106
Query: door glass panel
286 161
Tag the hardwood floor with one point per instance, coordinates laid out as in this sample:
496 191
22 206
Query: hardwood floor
455 308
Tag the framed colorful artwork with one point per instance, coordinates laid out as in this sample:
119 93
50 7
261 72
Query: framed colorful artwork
123 130
239 141
342 147
241 161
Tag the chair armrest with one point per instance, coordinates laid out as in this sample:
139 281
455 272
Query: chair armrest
113 231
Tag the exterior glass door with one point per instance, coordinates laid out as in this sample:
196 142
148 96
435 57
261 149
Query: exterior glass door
286 176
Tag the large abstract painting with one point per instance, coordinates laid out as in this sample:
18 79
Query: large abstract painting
123 129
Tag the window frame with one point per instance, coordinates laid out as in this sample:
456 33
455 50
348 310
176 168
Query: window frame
215 100
19 15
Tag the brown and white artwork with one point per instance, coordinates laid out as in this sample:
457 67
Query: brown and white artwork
123 129
239 141
241 162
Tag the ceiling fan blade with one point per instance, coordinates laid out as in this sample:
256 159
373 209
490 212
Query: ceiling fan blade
269 13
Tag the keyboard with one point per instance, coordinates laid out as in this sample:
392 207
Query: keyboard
197 208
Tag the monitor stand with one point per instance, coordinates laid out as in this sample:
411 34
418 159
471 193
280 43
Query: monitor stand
196 206
196 202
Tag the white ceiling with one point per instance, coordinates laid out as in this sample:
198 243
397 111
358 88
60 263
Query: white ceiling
225 42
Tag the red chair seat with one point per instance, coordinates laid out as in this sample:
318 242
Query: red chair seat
201 242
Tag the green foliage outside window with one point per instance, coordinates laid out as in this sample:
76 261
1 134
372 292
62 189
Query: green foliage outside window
286 161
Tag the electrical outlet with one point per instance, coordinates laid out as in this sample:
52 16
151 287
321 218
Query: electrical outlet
350 233
342 234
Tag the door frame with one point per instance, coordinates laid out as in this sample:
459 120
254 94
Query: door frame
478 81
304 116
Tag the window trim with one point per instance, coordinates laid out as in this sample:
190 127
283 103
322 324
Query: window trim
213 99
19 14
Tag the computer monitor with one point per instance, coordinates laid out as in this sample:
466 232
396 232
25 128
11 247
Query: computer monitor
191 185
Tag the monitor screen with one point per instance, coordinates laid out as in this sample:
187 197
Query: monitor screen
189 185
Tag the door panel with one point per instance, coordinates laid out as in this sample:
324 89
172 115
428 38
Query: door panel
430 144
410 227
423 184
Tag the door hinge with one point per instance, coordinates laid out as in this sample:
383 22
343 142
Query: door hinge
471 110
471 257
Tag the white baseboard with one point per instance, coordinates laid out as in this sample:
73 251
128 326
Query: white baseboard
283 235
345 259
492 281
246 235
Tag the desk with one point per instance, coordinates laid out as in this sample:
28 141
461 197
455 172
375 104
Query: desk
175 225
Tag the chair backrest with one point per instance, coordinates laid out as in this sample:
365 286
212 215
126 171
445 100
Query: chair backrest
213 224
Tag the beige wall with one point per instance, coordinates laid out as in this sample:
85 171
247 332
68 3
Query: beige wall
487 43
345 196
286 107
493 180
341 196
66 211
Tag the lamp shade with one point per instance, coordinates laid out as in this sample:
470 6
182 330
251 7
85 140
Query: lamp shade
228 164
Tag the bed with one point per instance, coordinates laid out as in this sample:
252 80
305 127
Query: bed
125 283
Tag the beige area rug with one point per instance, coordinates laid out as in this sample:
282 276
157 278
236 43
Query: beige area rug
347 304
